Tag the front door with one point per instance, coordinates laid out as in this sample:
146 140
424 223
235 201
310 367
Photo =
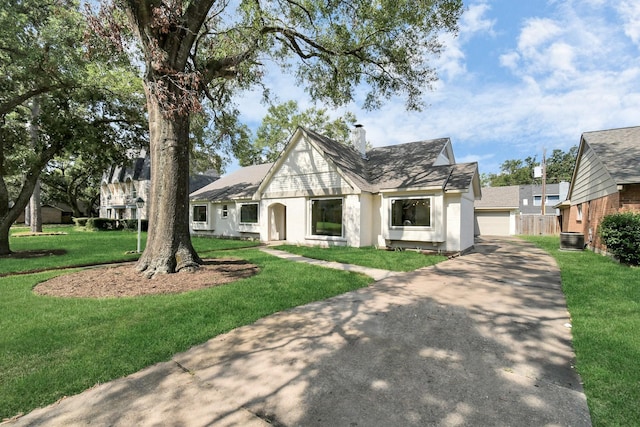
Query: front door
277 222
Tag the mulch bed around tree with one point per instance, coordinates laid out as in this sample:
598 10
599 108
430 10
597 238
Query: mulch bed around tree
125 281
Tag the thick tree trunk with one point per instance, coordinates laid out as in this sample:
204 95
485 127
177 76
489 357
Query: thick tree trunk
35 207
27 213
9 215
169 247
4 241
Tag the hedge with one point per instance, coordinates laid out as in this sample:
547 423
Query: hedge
102 224
620 232
80 222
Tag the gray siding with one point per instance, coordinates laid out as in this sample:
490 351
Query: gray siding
592 179
527 192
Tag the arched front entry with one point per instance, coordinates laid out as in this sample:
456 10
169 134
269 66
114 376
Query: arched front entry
277 222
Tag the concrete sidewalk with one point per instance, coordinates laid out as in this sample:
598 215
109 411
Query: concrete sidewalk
375 273
482 340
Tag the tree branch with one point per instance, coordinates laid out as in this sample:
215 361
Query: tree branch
10 105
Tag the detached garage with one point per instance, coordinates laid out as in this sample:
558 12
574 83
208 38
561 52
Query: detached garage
495 213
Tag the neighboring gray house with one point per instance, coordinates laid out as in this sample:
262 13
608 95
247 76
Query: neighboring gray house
530 200
321 192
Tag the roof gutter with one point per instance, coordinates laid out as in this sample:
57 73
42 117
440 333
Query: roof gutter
562 204
407 189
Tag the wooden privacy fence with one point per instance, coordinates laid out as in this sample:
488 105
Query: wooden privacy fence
535 225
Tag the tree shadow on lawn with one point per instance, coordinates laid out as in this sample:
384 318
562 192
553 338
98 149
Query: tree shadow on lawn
35 253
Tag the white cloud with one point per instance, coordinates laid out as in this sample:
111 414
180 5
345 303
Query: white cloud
561 56
474 21
450 64
469 158
629 11
556 50
536 33
510 60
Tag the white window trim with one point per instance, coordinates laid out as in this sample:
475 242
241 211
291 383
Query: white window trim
240 205
309 235
411 227
224 211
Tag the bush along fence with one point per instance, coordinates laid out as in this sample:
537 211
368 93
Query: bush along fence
106 224
620 233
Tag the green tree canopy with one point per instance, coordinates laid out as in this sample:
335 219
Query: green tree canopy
560 165
521 172
279 125
84 106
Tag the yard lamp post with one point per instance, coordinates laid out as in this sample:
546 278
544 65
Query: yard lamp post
140 205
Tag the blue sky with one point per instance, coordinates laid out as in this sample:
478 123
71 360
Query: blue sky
522 76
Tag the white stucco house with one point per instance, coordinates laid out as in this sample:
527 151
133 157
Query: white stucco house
321 192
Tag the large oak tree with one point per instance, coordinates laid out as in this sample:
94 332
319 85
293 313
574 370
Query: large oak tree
210 48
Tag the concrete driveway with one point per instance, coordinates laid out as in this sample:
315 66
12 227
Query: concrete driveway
480 340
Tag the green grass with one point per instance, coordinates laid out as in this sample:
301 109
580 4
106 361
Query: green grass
205 245
368 257
90 247
603 298
53 347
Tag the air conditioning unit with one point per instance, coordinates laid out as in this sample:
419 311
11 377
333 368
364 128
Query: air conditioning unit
571 241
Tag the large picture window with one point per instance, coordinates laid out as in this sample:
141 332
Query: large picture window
249 213
200 213
411 212
326 217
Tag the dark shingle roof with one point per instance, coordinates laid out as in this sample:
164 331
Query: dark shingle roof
461 176
196 182
344 157
407 165
398 166
241 184
619 151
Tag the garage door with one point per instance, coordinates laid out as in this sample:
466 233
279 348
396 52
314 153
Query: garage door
492 223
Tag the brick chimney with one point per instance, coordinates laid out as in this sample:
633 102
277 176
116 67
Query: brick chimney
359 137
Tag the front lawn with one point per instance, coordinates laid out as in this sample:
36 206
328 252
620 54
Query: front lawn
367 257
55 347
603 298
80 248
